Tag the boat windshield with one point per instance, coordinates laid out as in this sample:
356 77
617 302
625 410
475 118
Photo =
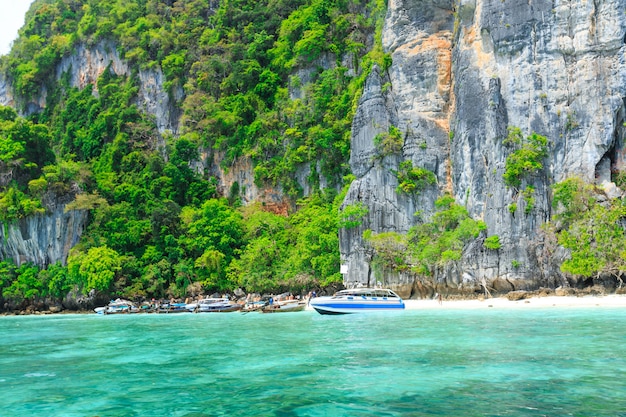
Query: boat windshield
367 292
212 300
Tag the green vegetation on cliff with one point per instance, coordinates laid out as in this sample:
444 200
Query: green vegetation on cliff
430 245
591 228
275 83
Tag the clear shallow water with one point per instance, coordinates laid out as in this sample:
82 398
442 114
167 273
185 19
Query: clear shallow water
553 362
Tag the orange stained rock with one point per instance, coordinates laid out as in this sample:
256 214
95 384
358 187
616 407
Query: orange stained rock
440 45
281 208
443 124
474 41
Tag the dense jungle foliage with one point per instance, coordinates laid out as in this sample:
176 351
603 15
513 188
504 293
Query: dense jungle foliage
158 225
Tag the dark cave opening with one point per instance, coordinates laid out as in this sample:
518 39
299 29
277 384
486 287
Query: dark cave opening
614 160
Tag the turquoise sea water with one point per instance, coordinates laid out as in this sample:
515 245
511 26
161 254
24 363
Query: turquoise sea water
545 362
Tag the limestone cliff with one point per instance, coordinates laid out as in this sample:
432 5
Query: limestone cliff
42 240
47 239
462 73
86 64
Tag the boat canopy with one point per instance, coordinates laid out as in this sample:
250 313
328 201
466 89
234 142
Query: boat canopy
367 292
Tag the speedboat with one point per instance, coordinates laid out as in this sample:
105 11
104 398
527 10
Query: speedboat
213 305
358 300
285 306
117 306
171 307
251 306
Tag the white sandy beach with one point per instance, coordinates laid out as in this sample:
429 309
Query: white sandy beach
534 302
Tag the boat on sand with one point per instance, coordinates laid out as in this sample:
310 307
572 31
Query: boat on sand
214 305
283 306
117 306
171 307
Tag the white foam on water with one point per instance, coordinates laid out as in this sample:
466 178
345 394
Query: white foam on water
39 374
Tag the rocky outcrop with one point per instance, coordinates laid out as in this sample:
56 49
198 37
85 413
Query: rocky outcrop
552 70
414 95
6 96
462 73
42 240
87 63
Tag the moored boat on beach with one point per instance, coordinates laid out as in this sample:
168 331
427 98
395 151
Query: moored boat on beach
283 306
358 300
251 306
170 307
213 305
118 306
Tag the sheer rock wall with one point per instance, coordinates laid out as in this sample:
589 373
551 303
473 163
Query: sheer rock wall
42 240
462 73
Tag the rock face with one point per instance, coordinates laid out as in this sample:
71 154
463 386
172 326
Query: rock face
6 97
462 73
86 64
42 240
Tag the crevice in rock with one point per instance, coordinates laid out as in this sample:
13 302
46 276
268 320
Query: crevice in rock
23 227
593 18
612 165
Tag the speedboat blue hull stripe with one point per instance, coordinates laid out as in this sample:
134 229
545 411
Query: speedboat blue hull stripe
371 306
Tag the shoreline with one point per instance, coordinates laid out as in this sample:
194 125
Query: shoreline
504 303
612 300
